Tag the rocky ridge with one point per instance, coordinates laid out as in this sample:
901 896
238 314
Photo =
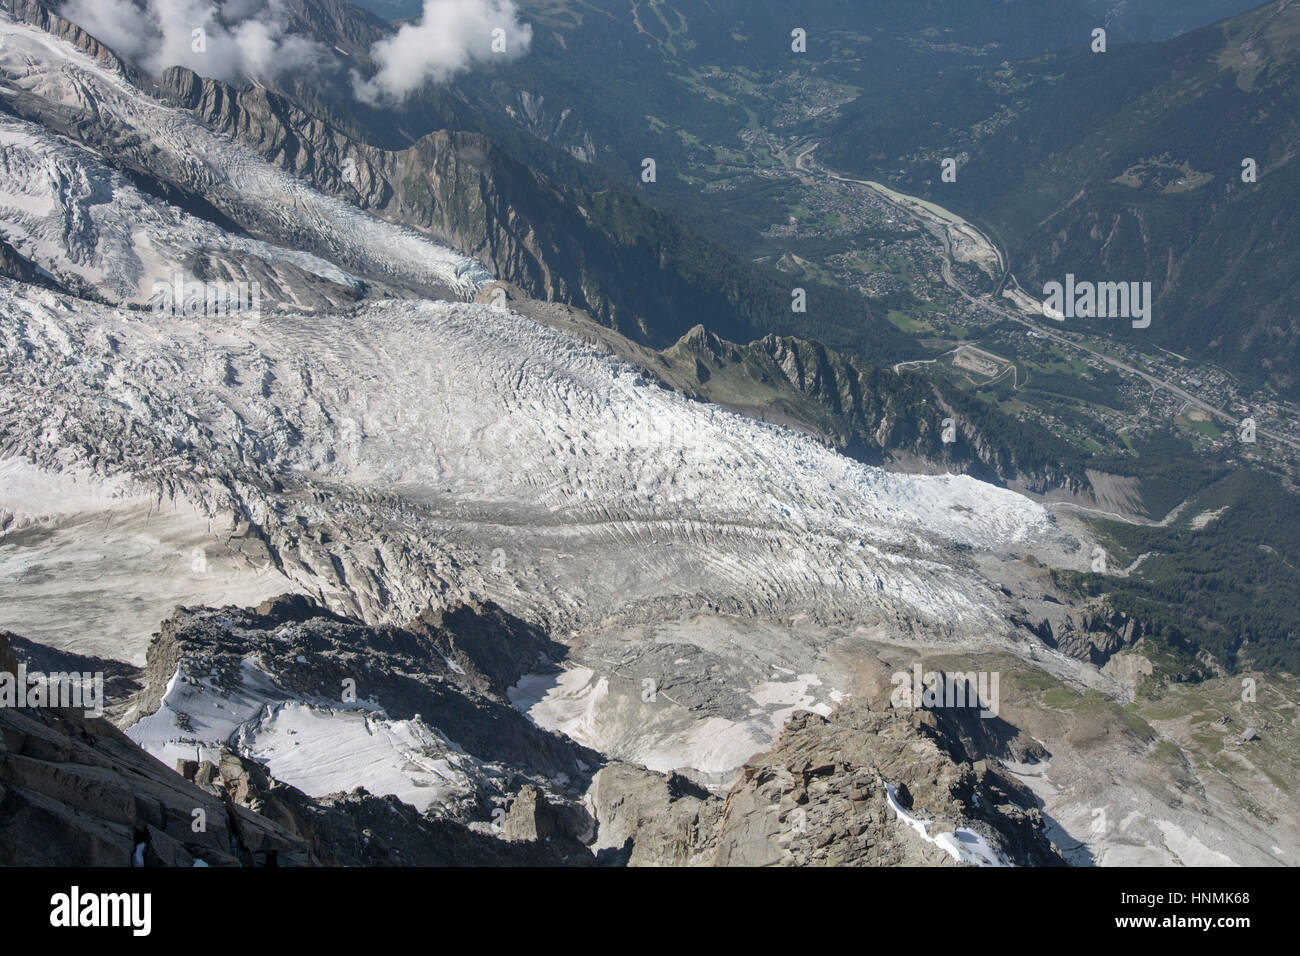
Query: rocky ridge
546 804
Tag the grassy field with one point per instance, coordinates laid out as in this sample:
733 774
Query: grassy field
907 323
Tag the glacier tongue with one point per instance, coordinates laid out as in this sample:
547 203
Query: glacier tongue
403 453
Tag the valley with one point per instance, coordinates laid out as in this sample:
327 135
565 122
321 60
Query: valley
523 520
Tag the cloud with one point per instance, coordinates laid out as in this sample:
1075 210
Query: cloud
232 39
449 38
225 39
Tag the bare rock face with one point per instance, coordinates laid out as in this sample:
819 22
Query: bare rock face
652 819
880 416
491 648
1095 634
562 828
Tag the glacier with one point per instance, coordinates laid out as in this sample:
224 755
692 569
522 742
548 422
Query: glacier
380 441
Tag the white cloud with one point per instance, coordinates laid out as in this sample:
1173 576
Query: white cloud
238 37
449 38
249 38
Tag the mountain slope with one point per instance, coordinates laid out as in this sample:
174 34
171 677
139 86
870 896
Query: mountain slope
872 413
629 265
876 415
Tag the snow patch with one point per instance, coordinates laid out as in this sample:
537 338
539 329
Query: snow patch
963 845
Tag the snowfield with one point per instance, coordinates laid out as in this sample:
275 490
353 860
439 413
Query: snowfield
317 746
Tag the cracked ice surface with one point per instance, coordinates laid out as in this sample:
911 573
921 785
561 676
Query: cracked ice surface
405 452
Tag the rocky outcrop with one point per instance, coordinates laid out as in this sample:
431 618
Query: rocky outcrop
874 414
75 791
1093 633
42 14
493 649
362 829
14 265
652 819
825 795
533 818
967 734
822 797
122 681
